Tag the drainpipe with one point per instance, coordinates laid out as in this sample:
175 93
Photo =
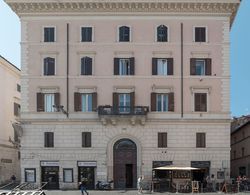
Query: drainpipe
67 78
182 70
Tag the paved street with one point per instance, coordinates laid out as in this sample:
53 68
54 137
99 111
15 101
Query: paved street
132 192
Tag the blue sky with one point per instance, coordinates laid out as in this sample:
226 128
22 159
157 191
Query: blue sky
240 51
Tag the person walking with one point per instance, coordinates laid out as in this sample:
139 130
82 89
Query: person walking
139 185
83 187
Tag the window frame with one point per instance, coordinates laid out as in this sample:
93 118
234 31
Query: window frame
72 175
87 95
18 107
53 143
92 62
45 105
207 106
206 31
156 34
25 175
43 58
162 145
162 101
43 34
86 146
18 87
204 67
127 68
125 96
92 36
202 145
167 64
118 34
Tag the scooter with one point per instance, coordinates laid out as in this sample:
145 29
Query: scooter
104 185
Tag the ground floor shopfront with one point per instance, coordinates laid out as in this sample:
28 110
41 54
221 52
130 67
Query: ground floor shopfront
121 153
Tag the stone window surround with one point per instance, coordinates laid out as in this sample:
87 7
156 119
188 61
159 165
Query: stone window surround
44 55
168 34
42 37
117 33
194 90
200 26
82 54
93 34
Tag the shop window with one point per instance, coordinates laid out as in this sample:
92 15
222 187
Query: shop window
30 175
68 175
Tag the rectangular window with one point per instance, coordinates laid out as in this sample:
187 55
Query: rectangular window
200 140
124 34
30 175
200 101
48 139
86 101
86 139
162 140
49 66
17 108
124 66
49 102
162 102
86 34
200 34
18 88
68 175
49 34
86 66
201 67
162 66
124 103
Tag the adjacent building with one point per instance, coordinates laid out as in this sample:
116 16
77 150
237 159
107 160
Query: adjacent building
113 89
10 99
240 145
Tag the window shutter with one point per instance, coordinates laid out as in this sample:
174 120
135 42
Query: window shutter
171 102
197 140
192 66
51 66
164 140
132 66
94 101
115 100
197 102
208 66
116 66
82 66
51 139
154 66
57 99
170 64
46 139
160 140
83 139
16 109
77 102
88 139
203 102
132 100
88 66
153 102
40 102
203 140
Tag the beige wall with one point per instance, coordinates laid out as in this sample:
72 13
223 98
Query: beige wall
9 78
143 47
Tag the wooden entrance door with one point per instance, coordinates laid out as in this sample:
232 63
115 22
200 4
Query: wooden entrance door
125 164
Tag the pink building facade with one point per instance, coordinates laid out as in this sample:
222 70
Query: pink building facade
112 90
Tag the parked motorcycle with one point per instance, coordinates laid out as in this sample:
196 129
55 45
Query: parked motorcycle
104 185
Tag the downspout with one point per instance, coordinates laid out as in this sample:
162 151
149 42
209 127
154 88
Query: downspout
182 70
67 77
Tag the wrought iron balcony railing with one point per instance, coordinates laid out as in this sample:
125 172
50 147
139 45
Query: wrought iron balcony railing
123 110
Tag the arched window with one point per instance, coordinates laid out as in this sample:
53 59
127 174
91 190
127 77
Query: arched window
124 34
162 33
86 66
49 66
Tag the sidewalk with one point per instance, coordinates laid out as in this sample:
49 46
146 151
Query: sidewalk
132 192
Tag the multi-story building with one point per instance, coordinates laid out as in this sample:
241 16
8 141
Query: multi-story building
240 144
112 89
9 114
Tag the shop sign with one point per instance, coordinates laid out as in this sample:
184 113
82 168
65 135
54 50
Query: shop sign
49 163
87 163
3 160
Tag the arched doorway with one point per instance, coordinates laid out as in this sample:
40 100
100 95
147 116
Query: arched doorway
125 164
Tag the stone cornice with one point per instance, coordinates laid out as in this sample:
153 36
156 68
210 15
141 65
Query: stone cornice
64 7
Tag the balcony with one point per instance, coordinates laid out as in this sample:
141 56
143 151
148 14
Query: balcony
122 110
